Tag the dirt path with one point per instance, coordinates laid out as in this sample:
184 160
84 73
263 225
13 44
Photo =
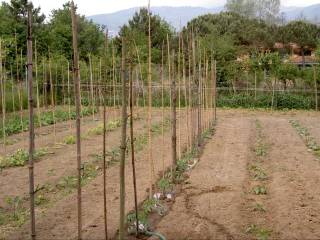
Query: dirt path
210 205
294 190
60 221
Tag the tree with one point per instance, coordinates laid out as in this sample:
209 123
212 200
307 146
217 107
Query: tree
137 30
91 37
267 10
305 34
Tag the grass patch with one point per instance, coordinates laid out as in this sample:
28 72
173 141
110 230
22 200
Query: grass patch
110 126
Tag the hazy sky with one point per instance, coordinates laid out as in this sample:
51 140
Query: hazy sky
91 7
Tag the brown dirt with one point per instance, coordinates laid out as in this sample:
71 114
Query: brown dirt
59 222
216 202
54 166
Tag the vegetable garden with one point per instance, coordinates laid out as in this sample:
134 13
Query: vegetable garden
112 147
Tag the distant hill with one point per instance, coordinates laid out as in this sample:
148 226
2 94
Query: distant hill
176 16
310 13
180 16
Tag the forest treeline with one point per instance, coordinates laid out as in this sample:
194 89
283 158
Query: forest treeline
242 40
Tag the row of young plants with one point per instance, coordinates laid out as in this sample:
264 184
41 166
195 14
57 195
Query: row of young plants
259 176
47 194
282 101
166 187
16 124
310 141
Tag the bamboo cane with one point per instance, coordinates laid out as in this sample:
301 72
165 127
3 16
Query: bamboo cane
69 97
123 143
91 86
37 82
173 111
104 170
185 93
315 87
150 104
162 104
3 98
104 148
78 105
52 100
179 97
140 71
12 90
132 156
31 127
113 80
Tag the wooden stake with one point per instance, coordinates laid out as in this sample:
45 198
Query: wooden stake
104 147
91 87
214 78
31 127
315 87
179 97
78 105
37 82
3 99
150 105
104 170
52 100
162 104
12 90
132 155
123 143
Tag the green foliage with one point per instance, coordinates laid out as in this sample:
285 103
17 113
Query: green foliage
17 214
258 173
110 126
282 101
20 158
137 31
259 190
303 33
304 133
259 232
259 208
69 140
13 123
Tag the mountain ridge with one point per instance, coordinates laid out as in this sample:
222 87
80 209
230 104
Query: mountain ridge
180 16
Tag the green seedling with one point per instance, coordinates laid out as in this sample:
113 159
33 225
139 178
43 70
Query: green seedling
259 190
259 208
259 232
70 140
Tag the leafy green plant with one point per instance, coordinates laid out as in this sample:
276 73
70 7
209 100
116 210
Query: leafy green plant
304 133
259 232
258 173
259 190
69 140
259 208
21 157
